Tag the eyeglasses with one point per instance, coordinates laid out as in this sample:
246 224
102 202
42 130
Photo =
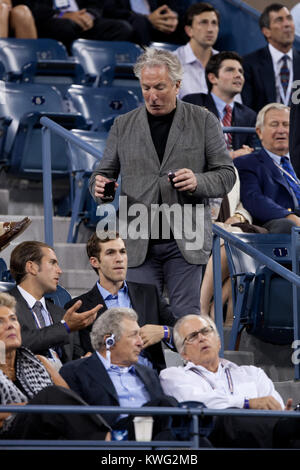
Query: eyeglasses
192 337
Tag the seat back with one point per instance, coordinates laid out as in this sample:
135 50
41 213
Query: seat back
24 104
60 297
39 61
167 46
111 62
258 292
102 105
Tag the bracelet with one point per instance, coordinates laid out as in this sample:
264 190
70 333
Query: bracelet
246 404
66 325
166 332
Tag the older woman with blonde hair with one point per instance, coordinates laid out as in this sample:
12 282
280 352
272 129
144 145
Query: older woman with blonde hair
29 379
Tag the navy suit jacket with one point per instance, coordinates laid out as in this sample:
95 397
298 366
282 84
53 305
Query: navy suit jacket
259 88
88 378
295 136
242 116
264 191
145 300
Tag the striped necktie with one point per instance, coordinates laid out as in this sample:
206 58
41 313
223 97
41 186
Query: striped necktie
37 308
292 180
284 74
226 121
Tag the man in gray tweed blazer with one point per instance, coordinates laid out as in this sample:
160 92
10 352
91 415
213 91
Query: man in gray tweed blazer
147 145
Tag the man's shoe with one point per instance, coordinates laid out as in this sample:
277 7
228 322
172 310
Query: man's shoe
12 230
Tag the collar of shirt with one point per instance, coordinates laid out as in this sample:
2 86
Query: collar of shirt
224 363
277 56
187 55
220 105
30 299
276 158
108 295
113 368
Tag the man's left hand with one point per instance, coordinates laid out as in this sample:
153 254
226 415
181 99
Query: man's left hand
185 180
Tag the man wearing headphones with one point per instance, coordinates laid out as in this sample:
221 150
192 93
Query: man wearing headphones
111 376
108 258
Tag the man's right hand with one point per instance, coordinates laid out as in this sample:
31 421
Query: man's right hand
265 403
78 321
99 185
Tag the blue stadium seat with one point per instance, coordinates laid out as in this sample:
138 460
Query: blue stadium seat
21 107
167 46
39 61
259 303
101 105
111 62
60 297
6 286
83 164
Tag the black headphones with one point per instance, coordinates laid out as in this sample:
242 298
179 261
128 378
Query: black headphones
110 341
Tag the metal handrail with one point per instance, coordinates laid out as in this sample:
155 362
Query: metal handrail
291 276
48 126
143 411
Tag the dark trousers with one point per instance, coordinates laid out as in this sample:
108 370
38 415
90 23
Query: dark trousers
67 31
165 266
54 425
256 432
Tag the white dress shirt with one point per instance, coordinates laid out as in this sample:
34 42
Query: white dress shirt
194 73
222 389
277 64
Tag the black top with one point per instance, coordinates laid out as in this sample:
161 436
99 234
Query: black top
160 128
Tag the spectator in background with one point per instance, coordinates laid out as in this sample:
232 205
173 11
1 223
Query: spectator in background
152 20
46 328
73 19
269 186
16 20
202 27
108 257
270 71
295 11
225 79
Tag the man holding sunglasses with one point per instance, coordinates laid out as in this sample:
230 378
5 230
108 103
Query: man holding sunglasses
220 384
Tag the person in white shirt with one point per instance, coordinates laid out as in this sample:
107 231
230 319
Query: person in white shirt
202 27
221 384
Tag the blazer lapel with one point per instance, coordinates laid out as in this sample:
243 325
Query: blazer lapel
149 145
175 132
138 301
276 173
267 74
97 371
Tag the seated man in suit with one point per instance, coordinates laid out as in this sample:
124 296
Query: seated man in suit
225 79
46 328
117 342
270 71
108 258
270 189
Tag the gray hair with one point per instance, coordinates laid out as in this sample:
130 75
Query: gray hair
260 120
179 339
110 323
7 300
158 57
